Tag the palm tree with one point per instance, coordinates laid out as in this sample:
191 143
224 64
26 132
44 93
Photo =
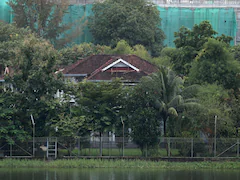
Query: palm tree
171 95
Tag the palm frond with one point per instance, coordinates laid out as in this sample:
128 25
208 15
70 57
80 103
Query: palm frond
176 101
190 106
190 100
172 111
190 91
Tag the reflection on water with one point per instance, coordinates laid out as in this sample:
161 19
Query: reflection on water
116 174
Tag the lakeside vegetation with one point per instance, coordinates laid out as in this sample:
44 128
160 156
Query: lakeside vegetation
98 163
118 152
195 91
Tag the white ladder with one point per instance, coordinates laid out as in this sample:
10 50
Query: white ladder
52 148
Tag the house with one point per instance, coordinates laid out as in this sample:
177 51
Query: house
130 68
5 71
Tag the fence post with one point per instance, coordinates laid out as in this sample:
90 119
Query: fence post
123 136
123 146
146 152
79 146
11 150
109 144
169 149
192 147
101 145
237 147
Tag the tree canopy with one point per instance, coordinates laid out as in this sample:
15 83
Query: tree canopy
136 21
189 42
43 17
31 84
215 64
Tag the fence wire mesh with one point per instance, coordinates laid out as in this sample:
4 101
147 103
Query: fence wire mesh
119 146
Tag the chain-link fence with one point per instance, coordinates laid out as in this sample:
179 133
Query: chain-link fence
51 147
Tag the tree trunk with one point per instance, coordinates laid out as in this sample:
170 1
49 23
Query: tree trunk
100 145
165 134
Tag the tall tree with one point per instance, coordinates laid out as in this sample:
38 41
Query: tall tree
190 41
136 21
165 91
215 64
143 116
43 17
34 83
169 98
100 104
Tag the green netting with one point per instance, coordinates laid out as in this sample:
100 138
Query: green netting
78 14
223 20
5 14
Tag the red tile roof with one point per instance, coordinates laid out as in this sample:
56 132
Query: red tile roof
93 65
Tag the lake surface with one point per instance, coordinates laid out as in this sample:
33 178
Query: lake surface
116 174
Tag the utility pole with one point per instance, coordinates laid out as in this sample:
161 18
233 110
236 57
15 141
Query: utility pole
122 137
33 123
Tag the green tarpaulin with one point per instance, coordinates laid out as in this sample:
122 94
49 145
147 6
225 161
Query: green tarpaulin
223 20
5 14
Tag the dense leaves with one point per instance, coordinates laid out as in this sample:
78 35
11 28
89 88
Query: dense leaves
190 41
100 104
70 55
160 105
31 83
136 21
215 64
11 128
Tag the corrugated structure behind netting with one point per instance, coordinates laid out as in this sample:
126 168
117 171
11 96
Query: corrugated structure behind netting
223 20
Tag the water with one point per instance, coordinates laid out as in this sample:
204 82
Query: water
116 174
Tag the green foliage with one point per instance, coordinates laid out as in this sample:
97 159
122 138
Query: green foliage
145 127
33 82
11 129
169 98
43 17
143 119
196 37
136 21
166 94
234 105
69 126
100 163
190 42
153 106
213 99
215 64
70 55
100 104
10 40
124 48
235 50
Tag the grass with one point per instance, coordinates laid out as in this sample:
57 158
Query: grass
117 152
98 163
